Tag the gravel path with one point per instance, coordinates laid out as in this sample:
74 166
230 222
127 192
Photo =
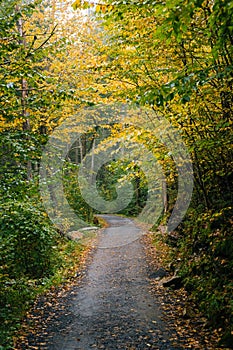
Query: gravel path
113 307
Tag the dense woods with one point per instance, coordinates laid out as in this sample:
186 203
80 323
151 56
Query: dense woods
172 60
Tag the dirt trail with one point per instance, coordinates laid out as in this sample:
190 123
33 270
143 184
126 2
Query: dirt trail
113 308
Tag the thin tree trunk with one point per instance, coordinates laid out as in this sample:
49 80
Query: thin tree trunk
92 161
24 94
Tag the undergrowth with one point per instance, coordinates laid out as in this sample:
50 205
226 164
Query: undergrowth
33 258
201 252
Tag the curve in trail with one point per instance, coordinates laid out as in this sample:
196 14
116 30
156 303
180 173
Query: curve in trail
113 307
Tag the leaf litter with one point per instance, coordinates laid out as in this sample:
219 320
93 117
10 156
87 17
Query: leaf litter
117 302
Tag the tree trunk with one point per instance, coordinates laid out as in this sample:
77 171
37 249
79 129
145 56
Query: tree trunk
24 94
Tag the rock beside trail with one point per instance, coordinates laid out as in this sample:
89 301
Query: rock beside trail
89 228
76 235
158 274
173 282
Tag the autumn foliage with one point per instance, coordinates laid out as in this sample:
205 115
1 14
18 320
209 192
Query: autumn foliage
173 58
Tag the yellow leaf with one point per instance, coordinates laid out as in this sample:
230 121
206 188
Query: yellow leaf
77 4
103 8
98 8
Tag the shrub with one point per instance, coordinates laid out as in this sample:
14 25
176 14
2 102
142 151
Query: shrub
27 242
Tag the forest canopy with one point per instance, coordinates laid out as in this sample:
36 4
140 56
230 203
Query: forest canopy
172 59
